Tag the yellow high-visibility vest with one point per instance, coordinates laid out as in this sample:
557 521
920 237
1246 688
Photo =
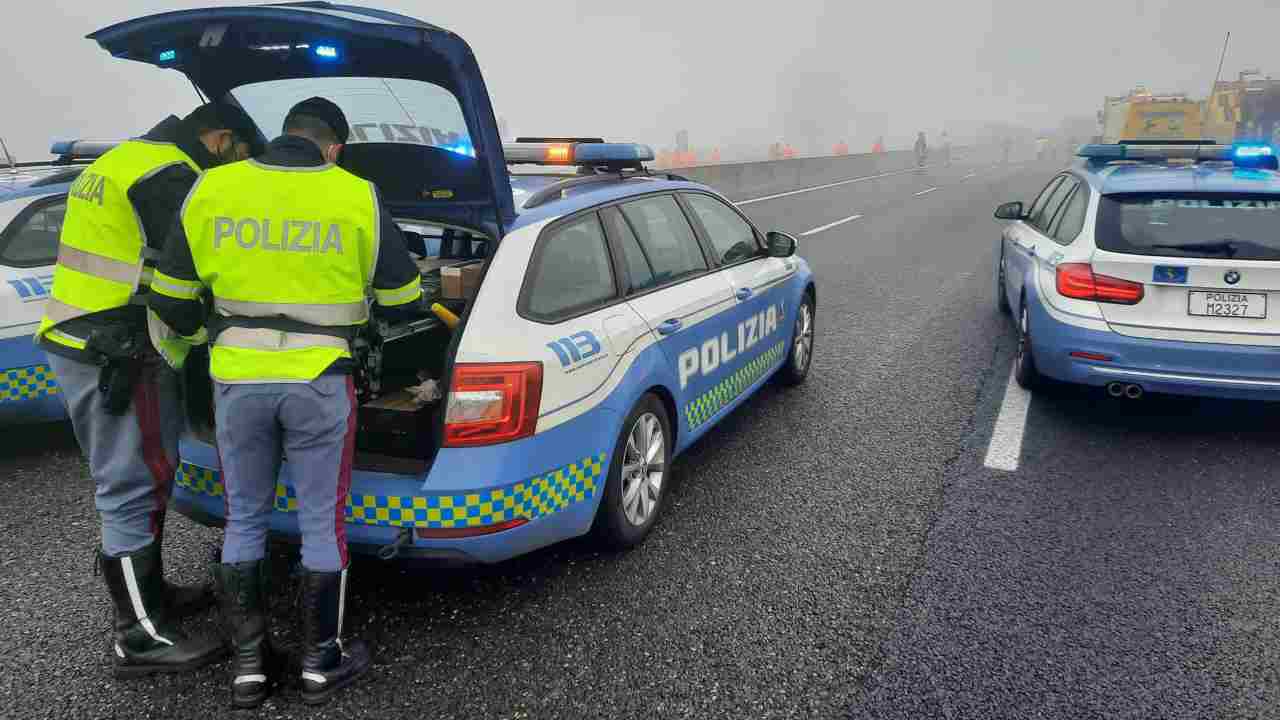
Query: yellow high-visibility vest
103 245
297 244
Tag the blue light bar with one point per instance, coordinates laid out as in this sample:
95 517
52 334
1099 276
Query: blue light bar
326 52
167 56
1098 151
593 153
82 149
1248 152
576 153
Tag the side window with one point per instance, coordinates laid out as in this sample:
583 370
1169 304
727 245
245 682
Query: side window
666 236
1042 220
1037 207
730 235
31 239
1071 219
570 271
638 266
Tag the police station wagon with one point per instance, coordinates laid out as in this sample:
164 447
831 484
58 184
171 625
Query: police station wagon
1149 267
594 319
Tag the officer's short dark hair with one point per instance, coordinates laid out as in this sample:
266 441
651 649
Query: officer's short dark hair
312 127
220 115
319 119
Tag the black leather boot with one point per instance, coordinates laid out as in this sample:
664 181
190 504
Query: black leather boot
146 641
184 600
242 599
328 663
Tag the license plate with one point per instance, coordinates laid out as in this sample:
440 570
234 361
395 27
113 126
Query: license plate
1227 304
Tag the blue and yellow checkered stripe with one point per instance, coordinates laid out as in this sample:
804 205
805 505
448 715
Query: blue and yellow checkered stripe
535 497
27 383
726 391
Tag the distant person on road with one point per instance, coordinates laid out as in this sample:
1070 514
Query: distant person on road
946 149
922 150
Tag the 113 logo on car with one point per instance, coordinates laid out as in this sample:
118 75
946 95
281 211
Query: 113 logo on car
577 350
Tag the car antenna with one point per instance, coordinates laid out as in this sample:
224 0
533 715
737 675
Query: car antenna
13 164
1204 113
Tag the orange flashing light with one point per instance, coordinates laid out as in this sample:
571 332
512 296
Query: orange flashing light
560 154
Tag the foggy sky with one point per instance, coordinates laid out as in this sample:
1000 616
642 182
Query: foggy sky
800 70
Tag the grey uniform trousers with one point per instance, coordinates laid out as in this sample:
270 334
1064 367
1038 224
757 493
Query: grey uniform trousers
131 456
313 425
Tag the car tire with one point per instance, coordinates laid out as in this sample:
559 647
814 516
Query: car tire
800 354
635 490
1002 291
1024 361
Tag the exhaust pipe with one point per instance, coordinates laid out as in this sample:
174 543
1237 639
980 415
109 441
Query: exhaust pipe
1133 392
1115 390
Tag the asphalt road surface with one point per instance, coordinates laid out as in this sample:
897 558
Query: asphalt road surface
837 550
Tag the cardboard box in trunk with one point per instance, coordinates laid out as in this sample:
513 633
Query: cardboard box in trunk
459 282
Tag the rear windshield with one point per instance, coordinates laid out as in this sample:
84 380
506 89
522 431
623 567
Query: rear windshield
408 137
379 110
1240 227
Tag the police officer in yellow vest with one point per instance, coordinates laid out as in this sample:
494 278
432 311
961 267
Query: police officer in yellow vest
124 402
289 244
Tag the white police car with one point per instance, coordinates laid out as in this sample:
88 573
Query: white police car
608 317
1149 267
33 199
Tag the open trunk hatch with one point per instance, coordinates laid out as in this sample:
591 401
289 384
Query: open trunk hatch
423 127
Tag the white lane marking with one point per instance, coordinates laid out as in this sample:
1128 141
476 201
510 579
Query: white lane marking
970 175
926 192
828 226
1011 424
824 187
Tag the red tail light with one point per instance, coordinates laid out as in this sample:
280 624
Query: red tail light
1077 280
492 403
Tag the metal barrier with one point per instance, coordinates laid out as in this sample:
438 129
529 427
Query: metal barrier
742 181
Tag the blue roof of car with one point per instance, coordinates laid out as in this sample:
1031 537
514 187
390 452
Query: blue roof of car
34 181
1204 177
581 197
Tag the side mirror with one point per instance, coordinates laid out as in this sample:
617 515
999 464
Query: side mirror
1010 211
781 245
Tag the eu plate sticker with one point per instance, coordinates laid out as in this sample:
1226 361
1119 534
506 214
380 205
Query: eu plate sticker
1170 274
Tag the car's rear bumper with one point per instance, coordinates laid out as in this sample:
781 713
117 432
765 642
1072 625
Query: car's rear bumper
1159 366
552 481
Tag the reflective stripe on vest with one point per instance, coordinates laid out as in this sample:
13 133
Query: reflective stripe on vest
354 313
102 242
99 265
272 340
299 244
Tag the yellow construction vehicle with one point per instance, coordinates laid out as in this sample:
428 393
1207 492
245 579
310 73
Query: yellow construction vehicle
1142 115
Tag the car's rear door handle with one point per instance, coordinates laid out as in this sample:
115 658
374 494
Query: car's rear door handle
669 326
744 293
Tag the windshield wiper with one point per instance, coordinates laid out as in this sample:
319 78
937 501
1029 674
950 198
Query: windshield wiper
1224 247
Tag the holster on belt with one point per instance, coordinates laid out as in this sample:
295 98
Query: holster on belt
119 350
